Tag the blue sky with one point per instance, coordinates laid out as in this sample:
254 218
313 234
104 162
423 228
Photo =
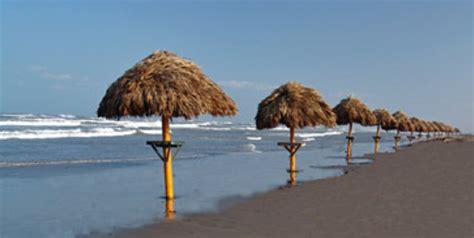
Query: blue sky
415 56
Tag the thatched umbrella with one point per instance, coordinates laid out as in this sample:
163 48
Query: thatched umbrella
385 121
166 85
351 110
296 107
457 131
425 127
431 129
418 126
404 124
438 128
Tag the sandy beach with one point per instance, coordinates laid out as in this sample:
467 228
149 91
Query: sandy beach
422 191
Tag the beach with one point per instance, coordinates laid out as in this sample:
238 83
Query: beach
425 190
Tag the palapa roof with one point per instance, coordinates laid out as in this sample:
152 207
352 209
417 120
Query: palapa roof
385 119
437 126
446 128
427 126
432 127
164 84
352 110
404 123
418 125
294 105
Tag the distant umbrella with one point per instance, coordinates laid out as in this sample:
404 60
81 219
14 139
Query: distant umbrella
385 121
166 85
417 126
296 107
425 128
431 129
351 110
457 131
438 128
404 124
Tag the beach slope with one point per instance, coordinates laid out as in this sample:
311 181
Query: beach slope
423 191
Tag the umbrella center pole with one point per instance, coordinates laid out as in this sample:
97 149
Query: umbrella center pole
377 140
410 138
397 140
168 159
292 147
350 140
292 150
169 209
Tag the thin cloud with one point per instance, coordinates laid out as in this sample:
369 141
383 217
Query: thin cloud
44 73
62 81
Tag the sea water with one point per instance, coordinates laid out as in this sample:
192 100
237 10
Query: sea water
63 176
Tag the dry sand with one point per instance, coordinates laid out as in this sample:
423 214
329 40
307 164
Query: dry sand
423 191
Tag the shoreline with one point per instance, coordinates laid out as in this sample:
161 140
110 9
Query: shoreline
398 195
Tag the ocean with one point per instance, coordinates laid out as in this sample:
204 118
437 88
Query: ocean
66 175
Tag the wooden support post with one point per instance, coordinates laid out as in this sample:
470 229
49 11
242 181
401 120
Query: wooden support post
349 144
292 180
168 159
292 151
410 137
397 140
377 140
169 209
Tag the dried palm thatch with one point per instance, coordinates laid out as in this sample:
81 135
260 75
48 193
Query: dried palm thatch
352 110
437 126
385 119
164 84
418 124
294 106
432 126
426 126
448 128
404 123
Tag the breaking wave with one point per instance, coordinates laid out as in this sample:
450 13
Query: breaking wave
68 133
321 134
250 148
14 164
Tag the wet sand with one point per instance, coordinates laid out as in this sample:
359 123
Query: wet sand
422 191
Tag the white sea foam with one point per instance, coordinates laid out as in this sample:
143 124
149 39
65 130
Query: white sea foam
17 115
215 128
12 164
67 116
250 148
254 138
308 139
69 133
151 132
281 128
321 134
41 122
